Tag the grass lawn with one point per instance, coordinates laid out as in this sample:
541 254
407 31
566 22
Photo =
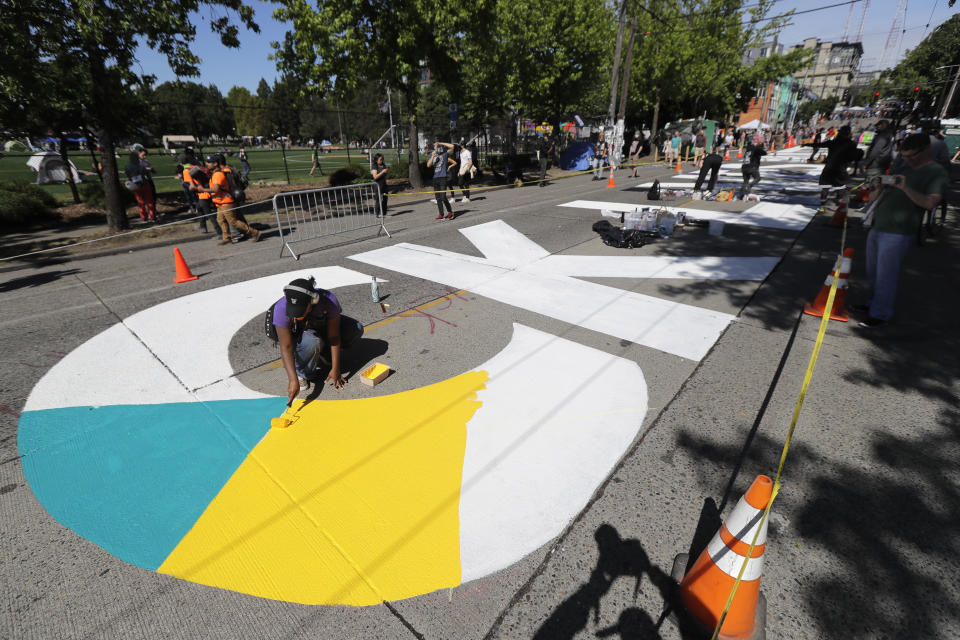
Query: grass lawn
266 166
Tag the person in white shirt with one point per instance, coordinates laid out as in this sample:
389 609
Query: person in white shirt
467 170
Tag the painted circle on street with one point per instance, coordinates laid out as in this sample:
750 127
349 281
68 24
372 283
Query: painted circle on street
144 442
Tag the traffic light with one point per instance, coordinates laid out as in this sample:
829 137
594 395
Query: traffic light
916 90
876 94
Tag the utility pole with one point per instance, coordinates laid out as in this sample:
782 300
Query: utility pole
611 112
953 88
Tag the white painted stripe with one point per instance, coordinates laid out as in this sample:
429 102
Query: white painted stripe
730 562
744 521
676 328
541 443
656 267
504 245
161 354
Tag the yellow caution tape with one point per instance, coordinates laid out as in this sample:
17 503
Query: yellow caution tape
828 309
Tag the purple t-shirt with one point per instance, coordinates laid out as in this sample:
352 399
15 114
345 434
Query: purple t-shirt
327 308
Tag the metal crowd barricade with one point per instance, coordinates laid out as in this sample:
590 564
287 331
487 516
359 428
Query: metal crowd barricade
318 213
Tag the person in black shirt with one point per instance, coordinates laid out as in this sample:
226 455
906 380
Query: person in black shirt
544 149
711 163
842 151
442 163
751 168
379 175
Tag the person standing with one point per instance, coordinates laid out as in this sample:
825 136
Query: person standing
148 172
751 169
675 142
244 161
712 163
219 191
379 175
198 179
184 162
919 185
139 180
636 147
815 143
442 163
600 151
544 149
466 170
880 151
699 146
452 177
842 151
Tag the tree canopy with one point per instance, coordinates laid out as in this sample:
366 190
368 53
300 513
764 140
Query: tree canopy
96 41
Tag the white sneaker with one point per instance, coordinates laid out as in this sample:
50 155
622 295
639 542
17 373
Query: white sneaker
433 200
464 200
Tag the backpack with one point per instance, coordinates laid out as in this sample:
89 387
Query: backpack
268 327
237 186
654 192
615 237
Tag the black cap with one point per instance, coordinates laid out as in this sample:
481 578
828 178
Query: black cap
844 130
213 157
299 293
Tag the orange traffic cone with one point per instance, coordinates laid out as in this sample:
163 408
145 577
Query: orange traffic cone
726 156
840 215
706 587
610 183
839 309
183 271
739 152
773 147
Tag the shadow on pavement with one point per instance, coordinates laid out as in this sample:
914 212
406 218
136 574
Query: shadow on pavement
37 280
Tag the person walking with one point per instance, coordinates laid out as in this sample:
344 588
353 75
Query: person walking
636 147
467 170
544 149
442 163
219 191
315 160
751 168
244 162
919 186
138 180
184 161
842 151
379 174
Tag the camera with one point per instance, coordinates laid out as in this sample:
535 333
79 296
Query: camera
885 179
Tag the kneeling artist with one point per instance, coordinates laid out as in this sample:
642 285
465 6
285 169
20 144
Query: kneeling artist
311 329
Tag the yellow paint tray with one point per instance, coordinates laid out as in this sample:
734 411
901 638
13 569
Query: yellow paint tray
374 374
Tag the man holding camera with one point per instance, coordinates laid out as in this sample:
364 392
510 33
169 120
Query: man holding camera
904 195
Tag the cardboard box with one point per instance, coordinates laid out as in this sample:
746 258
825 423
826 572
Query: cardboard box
374 374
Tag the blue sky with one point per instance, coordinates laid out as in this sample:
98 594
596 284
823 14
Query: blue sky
221 65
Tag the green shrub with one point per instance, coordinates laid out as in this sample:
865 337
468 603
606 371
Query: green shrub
24 204
31 190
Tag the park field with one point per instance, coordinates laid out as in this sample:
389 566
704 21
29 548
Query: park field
266 166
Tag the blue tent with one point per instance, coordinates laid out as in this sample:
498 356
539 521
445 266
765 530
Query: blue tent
576 157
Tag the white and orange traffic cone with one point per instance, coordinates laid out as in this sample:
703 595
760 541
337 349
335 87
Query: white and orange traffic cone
839 215
726 156
610 182
839 310
706 588
679 166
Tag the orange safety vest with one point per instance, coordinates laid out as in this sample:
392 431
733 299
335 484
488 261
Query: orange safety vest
189 180
220 182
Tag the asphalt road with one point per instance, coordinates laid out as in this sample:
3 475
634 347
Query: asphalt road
862 541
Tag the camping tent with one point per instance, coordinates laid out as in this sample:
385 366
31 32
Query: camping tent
576 157
753 124
49 168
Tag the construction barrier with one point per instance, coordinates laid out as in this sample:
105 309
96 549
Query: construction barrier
319 213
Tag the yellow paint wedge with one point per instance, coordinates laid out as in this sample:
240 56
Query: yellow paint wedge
357 505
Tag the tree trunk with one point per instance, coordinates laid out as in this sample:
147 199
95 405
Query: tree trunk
68 169
611 112
116 213
413 153
654 128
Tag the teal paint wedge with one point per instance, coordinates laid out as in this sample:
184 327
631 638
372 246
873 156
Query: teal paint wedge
134 479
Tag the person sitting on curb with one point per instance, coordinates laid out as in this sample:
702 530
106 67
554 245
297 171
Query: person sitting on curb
219 191
311 329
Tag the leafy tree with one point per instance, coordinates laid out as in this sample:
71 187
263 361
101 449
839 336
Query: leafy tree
337 44
919 66
97 41
808 109
188 107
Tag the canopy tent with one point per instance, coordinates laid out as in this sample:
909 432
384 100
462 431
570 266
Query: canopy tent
50 169
576 157
753 125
